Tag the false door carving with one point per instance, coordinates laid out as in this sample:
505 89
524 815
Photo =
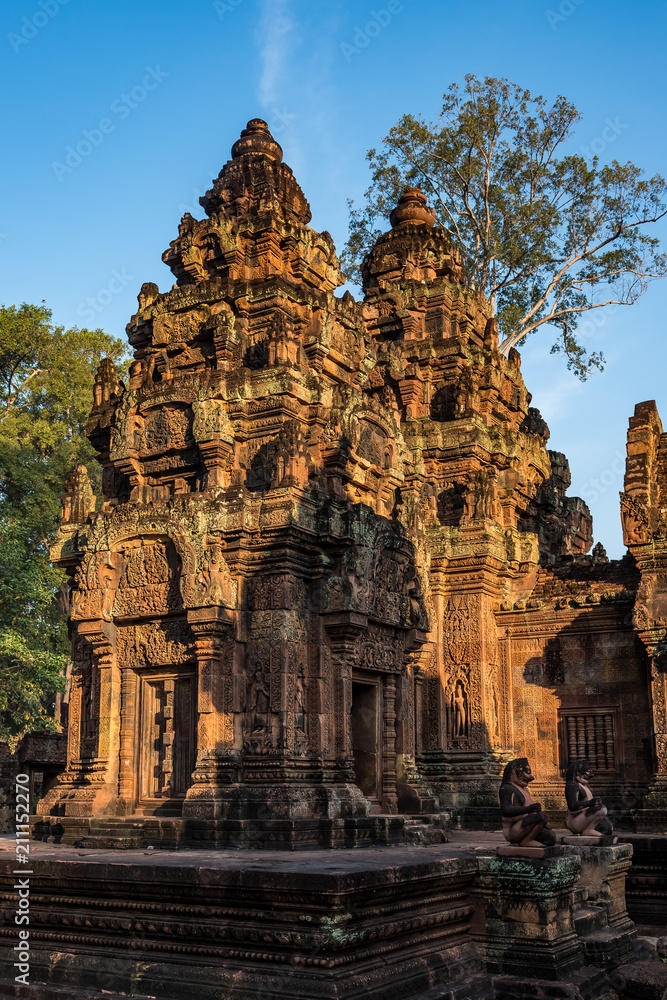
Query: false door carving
167 744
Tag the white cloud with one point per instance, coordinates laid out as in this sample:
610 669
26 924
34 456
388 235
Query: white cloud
553 399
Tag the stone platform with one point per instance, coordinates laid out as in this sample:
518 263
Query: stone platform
376 923
171 832
447 922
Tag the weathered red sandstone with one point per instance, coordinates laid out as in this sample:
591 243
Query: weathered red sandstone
335 571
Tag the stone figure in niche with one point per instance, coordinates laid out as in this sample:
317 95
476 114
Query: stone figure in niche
280 470
137 436
524 823
109 575
258 700
460 711
88 703
147 370
79 592
414 593
300 700
467 401
469 501
586 813
212 575
486 497
335 594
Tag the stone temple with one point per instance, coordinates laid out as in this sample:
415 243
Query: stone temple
333 587
335 582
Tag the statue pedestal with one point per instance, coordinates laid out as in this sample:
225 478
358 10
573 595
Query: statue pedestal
517 851
603 873
576 840
525 918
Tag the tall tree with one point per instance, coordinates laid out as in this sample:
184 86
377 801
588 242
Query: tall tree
546 237
46 379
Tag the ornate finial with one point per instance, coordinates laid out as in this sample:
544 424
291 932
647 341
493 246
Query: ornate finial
107 387
256 138
412 207
78 498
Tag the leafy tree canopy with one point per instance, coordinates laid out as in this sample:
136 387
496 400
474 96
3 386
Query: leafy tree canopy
545 236
46 379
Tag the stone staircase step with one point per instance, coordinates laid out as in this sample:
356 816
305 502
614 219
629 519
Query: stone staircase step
588 919
425 829
608 947
579 897
112 834
108 843
115 824
587 984
476 987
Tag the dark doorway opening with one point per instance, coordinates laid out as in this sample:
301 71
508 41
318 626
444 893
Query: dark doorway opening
365 727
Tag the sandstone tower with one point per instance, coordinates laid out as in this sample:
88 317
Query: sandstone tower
335 578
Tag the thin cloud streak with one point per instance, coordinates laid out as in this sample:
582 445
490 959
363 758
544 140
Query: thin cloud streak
275 24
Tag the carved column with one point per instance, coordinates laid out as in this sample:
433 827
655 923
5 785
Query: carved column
653 641
389 797
104 768
343 629
128 779
413 794
214 638
419 709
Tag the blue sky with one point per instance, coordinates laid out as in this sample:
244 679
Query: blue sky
163 88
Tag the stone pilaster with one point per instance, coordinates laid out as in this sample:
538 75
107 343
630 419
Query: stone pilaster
389 798
213 628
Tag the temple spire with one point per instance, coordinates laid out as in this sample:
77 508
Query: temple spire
257 139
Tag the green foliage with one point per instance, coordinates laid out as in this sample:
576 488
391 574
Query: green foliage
46 379
545 238
33 634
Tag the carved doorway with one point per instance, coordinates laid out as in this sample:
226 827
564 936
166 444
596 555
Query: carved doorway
365 718
168 742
